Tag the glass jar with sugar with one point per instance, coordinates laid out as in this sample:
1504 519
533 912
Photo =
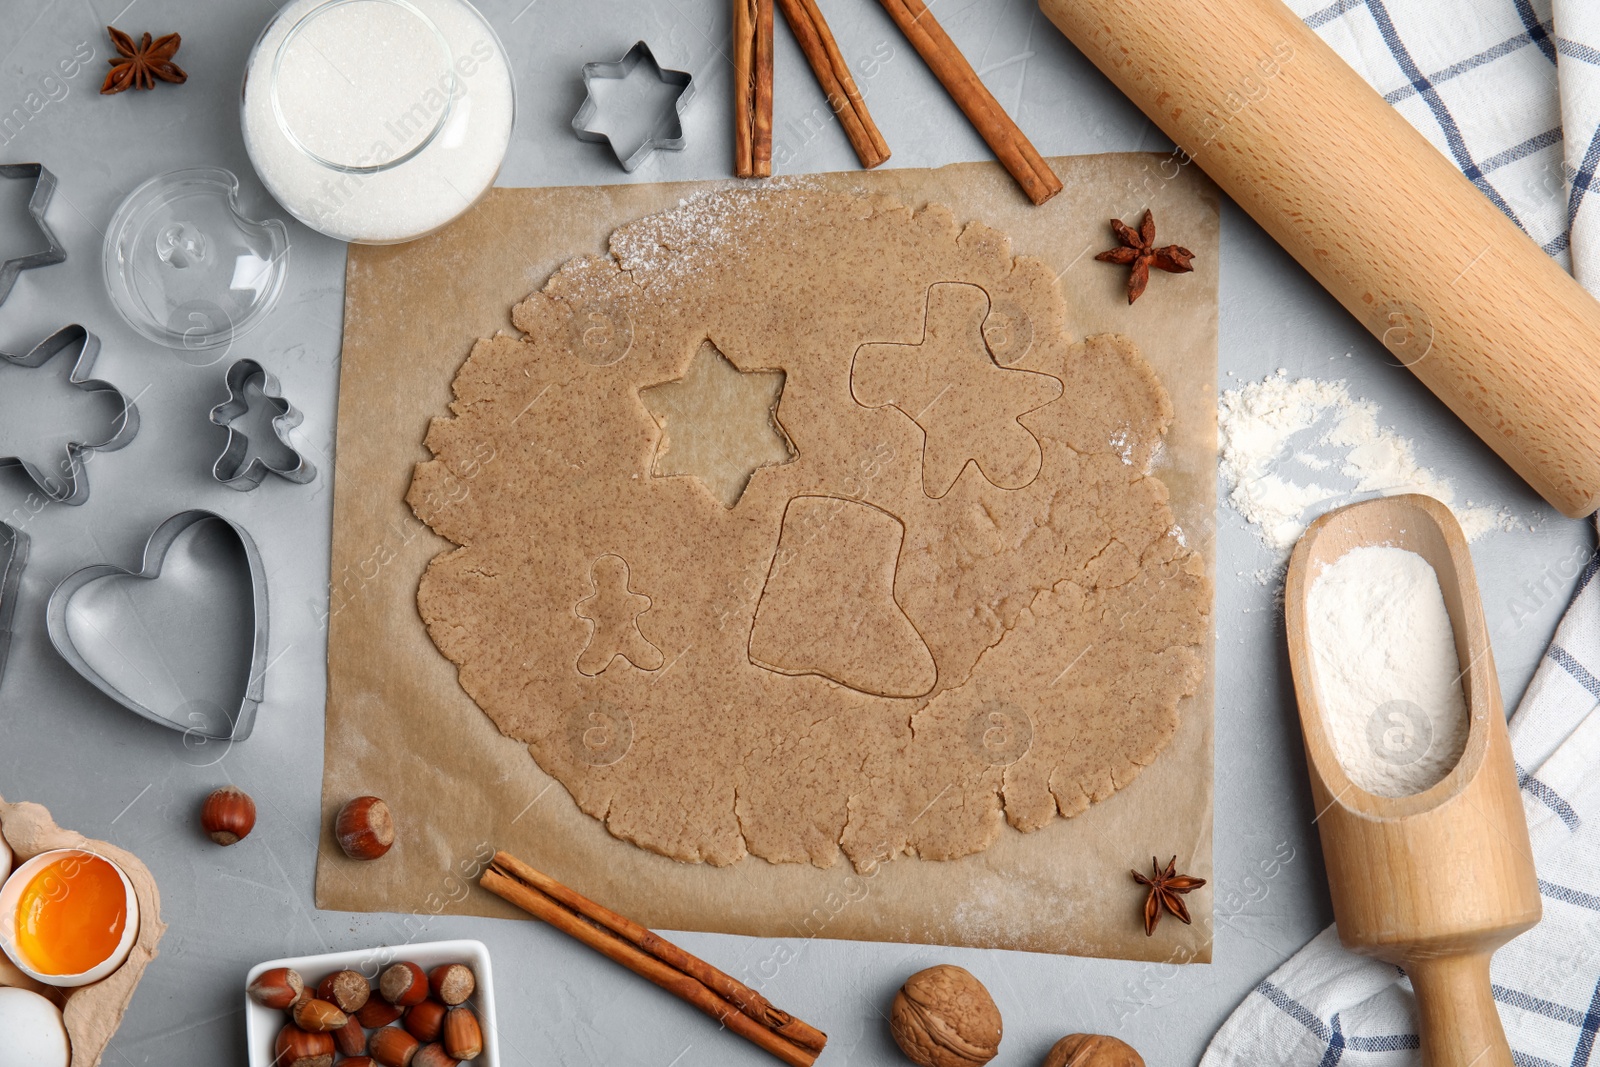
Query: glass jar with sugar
377 121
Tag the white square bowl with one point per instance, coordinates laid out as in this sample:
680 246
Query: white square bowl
262 1024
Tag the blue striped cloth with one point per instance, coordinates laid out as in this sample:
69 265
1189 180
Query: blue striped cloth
1328 1006
1507 89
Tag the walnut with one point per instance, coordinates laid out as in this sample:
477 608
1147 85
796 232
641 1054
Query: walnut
943 1017
1092 1050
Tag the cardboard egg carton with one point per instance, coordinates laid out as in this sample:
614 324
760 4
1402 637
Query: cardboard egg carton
92 1012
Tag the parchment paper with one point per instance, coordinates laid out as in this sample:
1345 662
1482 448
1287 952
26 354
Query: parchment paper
399 726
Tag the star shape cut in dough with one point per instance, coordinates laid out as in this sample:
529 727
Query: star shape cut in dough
966 405
719 424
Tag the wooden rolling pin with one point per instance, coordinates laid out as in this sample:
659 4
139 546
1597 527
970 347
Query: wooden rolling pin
1386 223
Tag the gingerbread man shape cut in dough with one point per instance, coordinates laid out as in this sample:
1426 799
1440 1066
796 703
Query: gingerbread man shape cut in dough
966 404
613 612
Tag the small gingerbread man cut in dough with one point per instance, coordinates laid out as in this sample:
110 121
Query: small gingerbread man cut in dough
949 384
613 612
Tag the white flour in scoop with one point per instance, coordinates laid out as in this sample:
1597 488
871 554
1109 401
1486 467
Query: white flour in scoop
1387 674
1289 445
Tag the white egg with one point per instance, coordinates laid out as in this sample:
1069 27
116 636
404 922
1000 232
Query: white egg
5 859
35 1035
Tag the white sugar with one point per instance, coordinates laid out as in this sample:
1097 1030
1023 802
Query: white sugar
363 84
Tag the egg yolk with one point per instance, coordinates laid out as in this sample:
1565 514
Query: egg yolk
71 915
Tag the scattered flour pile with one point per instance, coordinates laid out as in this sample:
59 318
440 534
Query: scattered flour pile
1387 672
1270 428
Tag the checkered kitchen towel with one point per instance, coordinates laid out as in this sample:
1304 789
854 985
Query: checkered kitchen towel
1329 1006
1507 89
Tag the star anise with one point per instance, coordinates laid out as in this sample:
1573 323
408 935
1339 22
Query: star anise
1138 248
137 66
1166 891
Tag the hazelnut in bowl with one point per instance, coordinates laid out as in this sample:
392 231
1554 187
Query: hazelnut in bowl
419 1005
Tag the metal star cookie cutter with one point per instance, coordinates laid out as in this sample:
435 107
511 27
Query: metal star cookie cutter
13 557
44 187
230 468
162 656
665 128
73 487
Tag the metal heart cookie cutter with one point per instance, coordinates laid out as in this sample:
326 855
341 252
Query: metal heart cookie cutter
44 187
183 640
73 486
633 125
239 467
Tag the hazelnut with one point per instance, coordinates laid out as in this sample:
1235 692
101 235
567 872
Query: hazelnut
425 1021
452 983
356 1061
392 1047
348 989
318 1016
432 1056
351 1038
228 815
297 1048
943 1017
378 1012
365 828
403 984
1092 1050
463 1037
277 988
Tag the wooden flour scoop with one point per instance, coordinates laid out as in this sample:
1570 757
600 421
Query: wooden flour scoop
1436 881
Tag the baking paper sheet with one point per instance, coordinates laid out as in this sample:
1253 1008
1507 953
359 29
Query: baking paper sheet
399 726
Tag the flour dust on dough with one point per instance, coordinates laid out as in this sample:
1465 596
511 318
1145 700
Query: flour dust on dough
798 527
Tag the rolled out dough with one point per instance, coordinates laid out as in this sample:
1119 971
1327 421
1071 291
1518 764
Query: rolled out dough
799 527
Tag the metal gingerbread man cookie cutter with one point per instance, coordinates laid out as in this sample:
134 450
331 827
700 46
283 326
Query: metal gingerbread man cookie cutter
236 468
73 485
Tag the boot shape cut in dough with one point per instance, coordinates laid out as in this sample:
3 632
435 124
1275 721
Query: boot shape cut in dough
828 607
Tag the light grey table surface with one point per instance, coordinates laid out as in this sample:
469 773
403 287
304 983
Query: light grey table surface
111 776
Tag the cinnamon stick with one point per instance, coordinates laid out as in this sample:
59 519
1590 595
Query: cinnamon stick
747 1000
833 74
752 88
730 1002
1009 144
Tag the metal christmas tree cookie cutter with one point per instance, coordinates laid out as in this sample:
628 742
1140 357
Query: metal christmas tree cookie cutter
44 187
665 127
